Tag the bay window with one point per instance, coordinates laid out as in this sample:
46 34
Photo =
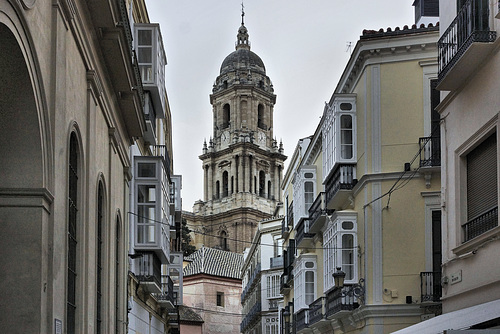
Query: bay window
152 216
146 213
340 244
339 132
304 189
305 279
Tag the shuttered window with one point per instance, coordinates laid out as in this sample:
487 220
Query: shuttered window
482 188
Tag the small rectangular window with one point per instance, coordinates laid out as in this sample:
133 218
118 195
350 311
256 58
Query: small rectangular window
220 299
146 169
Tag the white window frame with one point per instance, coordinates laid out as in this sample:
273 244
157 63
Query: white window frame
147 221
300 207
333 251
300 271
159 223
332 133
273 286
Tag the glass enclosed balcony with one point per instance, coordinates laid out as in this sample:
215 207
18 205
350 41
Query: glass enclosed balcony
151 60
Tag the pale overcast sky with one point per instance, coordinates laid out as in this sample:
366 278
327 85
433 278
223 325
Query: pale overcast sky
303 44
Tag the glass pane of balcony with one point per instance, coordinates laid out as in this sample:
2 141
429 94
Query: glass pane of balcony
145 37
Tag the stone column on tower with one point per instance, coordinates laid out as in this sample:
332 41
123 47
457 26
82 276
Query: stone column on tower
211 184
205 183
233 178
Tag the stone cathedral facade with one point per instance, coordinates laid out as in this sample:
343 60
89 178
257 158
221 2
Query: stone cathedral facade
242 162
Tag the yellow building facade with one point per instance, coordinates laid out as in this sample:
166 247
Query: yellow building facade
363 195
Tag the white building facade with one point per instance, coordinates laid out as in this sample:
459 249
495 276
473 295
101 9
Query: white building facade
261 273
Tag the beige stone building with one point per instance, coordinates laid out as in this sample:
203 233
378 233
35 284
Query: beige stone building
72 102
469 68
212 289
242 162
362 195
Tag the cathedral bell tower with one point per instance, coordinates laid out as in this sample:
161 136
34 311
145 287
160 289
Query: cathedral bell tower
242 162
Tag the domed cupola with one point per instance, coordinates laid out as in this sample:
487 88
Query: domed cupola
242 67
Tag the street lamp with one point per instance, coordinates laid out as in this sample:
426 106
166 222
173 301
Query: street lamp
286 314
356 290
339 277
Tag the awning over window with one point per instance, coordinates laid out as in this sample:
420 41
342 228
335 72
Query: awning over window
460 319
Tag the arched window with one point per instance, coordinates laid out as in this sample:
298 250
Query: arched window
260 117
226 116
99 255
232 184
223 240
73 173
225 184
262 183
269 189
217 190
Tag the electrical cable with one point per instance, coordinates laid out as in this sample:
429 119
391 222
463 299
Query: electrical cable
239 240
215 311
394 188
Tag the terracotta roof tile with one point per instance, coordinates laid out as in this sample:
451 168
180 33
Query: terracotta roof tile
214 262
397 31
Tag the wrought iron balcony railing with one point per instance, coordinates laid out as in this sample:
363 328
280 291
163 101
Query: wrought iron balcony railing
481 224
289 214
149 271
302 319
285 230
338 300
251 281
471 25
125 23
430 286
318 212
341 179
161 151
430 151
317 310
303 231
285 280
167 292
251 316
276 262
273 304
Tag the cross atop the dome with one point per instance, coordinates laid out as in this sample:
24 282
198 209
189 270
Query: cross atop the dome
242 13
242 37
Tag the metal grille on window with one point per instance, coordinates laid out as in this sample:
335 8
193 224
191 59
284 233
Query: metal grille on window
100 217
72 234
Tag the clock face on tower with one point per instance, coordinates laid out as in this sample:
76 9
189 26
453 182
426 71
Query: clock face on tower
224 137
